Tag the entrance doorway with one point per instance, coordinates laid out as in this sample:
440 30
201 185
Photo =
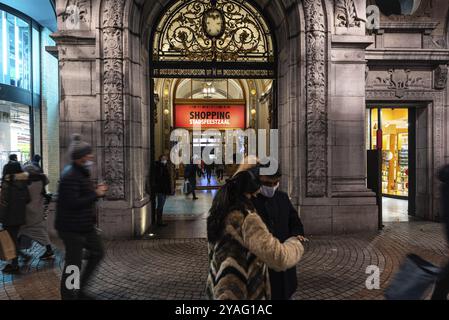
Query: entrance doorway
391 146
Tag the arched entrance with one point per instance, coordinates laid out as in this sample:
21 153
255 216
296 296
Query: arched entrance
211 63
321 149
135 29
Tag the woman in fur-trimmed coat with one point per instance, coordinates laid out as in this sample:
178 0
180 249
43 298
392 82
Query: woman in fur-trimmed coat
240 246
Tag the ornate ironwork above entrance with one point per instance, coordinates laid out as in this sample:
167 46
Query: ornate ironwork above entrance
221 33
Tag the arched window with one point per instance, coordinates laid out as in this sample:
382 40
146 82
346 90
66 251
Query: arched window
212 35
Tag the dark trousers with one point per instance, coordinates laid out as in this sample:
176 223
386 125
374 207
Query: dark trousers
14 233
219 174
208 174
161 198
74 244
442 286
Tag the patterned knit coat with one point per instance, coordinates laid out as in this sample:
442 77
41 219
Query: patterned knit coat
238 263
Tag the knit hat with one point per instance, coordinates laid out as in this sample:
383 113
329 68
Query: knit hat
78 148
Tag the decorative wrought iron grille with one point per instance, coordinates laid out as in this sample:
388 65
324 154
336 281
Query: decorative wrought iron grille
221 37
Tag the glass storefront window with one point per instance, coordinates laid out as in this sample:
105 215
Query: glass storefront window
15 131
36 62
395 145
15 53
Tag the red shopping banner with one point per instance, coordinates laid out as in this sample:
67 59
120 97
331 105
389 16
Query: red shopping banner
210 116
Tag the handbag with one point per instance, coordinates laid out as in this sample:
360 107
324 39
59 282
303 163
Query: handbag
7 246
414 277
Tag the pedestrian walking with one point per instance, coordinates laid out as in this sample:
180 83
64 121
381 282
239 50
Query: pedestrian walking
11 163
282 220
241 248
190 172
76 217
441 290
208 168
35 227
220 171
14 198
162 186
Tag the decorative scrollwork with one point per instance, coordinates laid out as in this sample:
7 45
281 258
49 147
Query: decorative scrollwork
181 34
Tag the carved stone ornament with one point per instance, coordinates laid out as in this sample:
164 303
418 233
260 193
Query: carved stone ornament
346 14
400 80
316 114
113 125
440 77
75 11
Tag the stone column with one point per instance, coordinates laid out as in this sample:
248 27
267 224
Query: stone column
336 199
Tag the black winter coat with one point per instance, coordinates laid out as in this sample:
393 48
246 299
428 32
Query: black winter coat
283 222
162 178
13 199
75 210
444 205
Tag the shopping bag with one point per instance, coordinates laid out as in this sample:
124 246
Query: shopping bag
186 187
7 246
414 278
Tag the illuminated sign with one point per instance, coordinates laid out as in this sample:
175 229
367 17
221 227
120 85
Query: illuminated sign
224 114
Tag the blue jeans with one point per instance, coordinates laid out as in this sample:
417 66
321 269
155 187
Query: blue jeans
161 198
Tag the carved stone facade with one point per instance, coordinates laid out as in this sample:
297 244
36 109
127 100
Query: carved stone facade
322 85
316 82
113 113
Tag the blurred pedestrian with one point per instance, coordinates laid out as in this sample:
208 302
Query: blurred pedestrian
11 163
190 172
35 227
13 200
220 171
441 290
162 186
76 217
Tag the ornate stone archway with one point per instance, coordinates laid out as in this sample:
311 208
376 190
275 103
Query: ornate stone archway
119 33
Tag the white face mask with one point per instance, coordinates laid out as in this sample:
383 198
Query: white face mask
88 164
268 191
164 161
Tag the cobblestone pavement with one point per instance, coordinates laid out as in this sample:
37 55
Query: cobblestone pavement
332 268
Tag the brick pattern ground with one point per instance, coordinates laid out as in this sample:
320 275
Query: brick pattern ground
332 268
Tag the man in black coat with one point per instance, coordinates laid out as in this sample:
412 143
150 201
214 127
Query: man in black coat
162 186
10 165
442 287
76 218
283 221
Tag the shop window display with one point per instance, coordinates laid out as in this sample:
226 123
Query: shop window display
15 133
395 149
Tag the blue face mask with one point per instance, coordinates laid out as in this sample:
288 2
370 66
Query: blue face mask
268 191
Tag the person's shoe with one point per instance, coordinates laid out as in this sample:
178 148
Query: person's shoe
11 268
195 198
49 254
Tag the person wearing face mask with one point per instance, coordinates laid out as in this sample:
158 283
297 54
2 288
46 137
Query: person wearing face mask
162 186
76 217
281 218
241 248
